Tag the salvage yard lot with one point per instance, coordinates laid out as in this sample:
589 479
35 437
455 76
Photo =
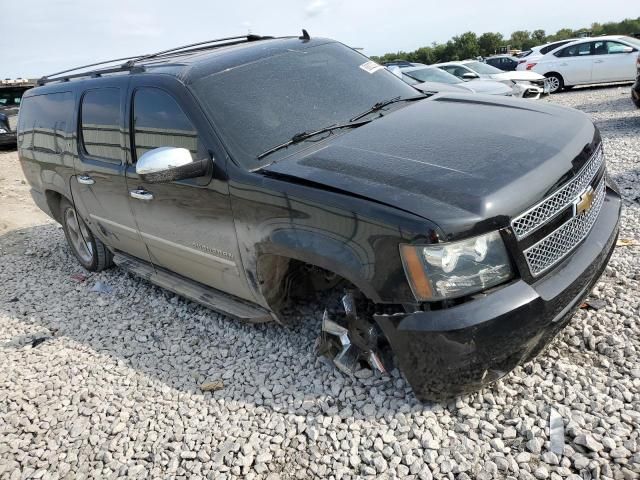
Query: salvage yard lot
113 385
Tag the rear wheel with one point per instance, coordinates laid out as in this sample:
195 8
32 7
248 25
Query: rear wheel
90 252
635 96
556 82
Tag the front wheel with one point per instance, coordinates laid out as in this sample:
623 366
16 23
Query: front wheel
90 252
556 82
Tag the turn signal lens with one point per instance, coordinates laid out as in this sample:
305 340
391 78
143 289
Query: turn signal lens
530 65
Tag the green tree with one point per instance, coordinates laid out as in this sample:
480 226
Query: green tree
563 34
521 39
539 36
466 45
489 43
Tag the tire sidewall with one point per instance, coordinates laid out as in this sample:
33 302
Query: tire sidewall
64 206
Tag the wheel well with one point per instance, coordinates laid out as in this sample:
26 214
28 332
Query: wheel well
548 74
282 279
53 201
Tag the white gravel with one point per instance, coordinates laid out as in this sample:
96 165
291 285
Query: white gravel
113 390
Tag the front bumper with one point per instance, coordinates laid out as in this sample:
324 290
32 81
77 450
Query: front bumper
8 139
458 350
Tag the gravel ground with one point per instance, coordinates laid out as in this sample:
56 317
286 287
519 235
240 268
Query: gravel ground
111 387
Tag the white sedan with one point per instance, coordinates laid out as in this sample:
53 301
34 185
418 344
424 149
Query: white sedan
603 59
531 56
523 84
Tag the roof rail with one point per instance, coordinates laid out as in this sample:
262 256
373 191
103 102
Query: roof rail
130 62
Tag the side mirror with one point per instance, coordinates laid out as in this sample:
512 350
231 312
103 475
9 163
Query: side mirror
469 76
167 164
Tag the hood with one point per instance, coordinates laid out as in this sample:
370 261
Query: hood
488 87
437 87
518 76
466 162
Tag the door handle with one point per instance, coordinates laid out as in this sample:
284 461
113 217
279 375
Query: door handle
85 180
598 61
141 194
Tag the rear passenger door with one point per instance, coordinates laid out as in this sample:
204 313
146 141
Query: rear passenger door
99 187
575 63
187 225
611 63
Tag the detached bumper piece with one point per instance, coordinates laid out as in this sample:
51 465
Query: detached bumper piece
458 350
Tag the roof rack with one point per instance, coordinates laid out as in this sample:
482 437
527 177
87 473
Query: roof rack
130 62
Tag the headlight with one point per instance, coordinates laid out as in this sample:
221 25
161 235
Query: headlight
455 269
2 130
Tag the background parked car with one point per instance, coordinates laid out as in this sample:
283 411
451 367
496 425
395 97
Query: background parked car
535 53
506 63
10 96
635 90
604 59
433 80
523 84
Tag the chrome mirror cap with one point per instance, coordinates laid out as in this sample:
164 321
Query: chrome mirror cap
167 164
161 159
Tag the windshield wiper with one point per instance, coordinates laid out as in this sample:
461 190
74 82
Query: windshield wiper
380 105
302 136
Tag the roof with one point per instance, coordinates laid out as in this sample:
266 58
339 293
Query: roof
195 61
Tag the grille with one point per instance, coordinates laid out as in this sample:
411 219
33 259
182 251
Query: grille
550 250
529 221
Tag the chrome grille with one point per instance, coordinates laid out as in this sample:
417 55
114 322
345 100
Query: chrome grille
529 221
550 250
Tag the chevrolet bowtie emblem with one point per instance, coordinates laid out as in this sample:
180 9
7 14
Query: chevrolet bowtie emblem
583 202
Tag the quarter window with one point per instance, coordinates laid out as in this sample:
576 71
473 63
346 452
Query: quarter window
160 122
100 123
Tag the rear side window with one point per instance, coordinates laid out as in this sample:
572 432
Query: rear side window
43 121
159 121
100 123
553 46
579 50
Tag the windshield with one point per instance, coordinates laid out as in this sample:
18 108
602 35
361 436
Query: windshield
433 75
10 97
482 68
266 102
633 41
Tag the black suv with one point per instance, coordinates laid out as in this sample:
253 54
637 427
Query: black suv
464 230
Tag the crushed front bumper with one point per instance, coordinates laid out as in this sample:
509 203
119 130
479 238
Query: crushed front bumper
458 350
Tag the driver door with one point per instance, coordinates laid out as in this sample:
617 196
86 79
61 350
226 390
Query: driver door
187 225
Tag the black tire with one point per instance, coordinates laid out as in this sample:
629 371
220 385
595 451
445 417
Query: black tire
635 96
556 82
90 251
568 87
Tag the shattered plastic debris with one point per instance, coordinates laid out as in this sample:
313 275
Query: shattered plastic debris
37 341
78 277
101 287
593 304
212 386
556 432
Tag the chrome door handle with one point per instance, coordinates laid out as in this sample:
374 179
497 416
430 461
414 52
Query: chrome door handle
141 194
86 180
598 61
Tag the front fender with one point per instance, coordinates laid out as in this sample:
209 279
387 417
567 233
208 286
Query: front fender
351 236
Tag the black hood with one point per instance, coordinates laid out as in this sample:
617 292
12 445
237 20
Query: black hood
464 162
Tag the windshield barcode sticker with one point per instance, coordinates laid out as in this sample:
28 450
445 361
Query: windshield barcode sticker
371 67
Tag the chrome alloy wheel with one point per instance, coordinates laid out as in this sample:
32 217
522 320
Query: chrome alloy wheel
554 84
79 235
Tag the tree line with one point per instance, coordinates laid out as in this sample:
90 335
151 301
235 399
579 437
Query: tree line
470 45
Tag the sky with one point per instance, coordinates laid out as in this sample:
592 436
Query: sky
45 36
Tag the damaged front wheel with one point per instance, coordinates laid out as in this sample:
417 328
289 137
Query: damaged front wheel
352 341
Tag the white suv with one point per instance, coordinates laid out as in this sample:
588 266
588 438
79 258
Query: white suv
603 59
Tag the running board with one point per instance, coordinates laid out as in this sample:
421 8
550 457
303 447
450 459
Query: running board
207 296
